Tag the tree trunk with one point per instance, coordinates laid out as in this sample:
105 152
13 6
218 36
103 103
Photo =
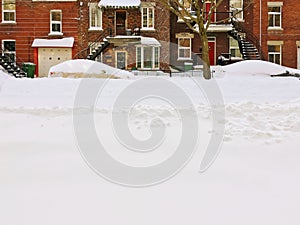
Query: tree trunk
205 57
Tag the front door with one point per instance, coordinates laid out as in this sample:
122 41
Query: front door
212 51
121 23
208 6
121 60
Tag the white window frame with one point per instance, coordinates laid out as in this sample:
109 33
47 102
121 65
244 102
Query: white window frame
8 11
237 11
56 22
185 48
155 59
275 14
275 53
149 20
9 52
97 18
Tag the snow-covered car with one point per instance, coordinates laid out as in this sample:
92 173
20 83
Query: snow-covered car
83 68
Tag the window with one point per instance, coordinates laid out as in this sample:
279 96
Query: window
95 17
274 15
184 48
56 22
274 54
234 48
236 7
8 11
9 49
147 57
148 18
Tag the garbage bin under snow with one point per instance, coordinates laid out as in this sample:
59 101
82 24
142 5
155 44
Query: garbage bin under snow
29 68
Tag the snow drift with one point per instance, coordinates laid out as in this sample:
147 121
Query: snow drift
83 68
257 67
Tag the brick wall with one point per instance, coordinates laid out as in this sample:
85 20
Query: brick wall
33 21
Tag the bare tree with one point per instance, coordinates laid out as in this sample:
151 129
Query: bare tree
195 15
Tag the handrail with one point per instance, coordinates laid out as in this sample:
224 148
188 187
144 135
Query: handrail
251 37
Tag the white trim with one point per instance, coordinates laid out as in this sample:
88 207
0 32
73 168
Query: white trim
275 4
9 11
153 47
99 12
56 22
275 53
147 27
184 48
274 15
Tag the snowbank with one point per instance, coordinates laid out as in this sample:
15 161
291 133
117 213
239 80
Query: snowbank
87 68
254 67
255 179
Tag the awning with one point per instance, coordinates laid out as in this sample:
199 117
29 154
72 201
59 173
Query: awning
120 3
58 43
149 41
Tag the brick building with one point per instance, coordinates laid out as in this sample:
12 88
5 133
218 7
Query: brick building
186 45
276 27
43 32
125 34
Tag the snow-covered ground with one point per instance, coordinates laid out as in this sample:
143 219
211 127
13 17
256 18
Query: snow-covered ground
254 180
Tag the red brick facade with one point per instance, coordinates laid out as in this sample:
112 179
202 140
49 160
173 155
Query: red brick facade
287 36
33 21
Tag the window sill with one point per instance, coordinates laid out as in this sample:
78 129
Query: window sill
95 29
55 34
275 29
8 22
184 59
148 29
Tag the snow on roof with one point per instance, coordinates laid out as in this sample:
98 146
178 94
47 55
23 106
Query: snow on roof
149 41
119 3
63 43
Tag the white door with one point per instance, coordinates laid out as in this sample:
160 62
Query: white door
298 57
48 57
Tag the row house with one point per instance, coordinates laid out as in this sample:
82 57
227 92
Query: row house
38 31
276 27
142 34
186 45
125 34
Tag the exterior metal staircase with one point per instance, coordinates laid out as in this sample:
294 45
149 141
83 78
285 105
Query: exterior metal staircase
11 67
248 43
97 51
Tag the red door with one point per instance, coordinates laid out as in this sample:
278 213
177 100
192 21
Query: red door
212 52
208 6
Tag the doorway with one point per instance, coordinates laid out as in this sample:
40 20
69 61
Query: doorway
212 50
121 60
120 22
